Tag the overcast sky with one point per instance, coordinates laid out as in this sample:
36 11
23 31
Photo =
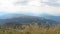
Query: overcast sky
32 6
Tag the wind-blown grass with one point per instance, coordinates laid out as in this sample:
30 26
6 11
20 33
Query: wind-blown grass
32 29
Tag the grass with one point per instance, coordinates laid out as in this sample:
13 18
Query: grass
41 31
31 30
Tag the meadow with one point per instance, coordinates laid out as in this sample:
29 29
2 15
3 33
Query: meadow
41 31
34 29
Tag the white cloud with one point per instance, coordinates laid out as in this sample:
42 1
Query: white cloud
33 6
58 1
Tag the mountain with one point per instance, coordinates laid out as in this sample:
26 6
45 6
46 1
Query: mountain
51 17
26 19
10 15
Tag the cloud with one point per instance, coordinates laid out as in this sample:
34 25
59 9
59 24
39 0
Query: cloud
33 6
23 2
48 1
54 4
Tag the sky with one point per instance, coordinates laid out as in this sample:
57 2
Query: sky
30 6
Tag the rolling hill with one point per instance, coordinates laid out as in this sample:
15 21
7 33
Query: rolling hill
51 17
26 19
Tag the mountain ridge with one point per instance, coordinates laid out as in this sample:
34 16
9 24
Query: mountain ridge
27 19
51 17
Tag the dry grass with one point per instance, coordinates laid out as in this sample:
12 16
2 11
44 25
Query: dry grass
31 30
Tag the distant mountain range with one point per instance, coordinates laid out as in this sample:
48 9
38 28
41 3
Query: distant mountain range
51 17
26 19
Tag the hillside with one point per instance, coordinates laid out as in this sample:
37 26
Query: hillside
27 19
51 17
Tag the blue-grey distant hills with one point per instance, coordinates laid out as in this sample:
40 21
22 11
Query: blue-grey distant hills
21 18
51 17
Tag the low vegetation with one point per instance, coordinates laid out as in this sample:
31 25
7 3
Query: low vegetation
32 29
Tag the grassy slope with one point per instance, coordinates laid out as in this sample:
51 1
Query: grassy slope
36 31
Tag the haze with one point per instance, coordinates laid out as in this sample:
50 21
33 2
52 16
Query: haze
35 7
